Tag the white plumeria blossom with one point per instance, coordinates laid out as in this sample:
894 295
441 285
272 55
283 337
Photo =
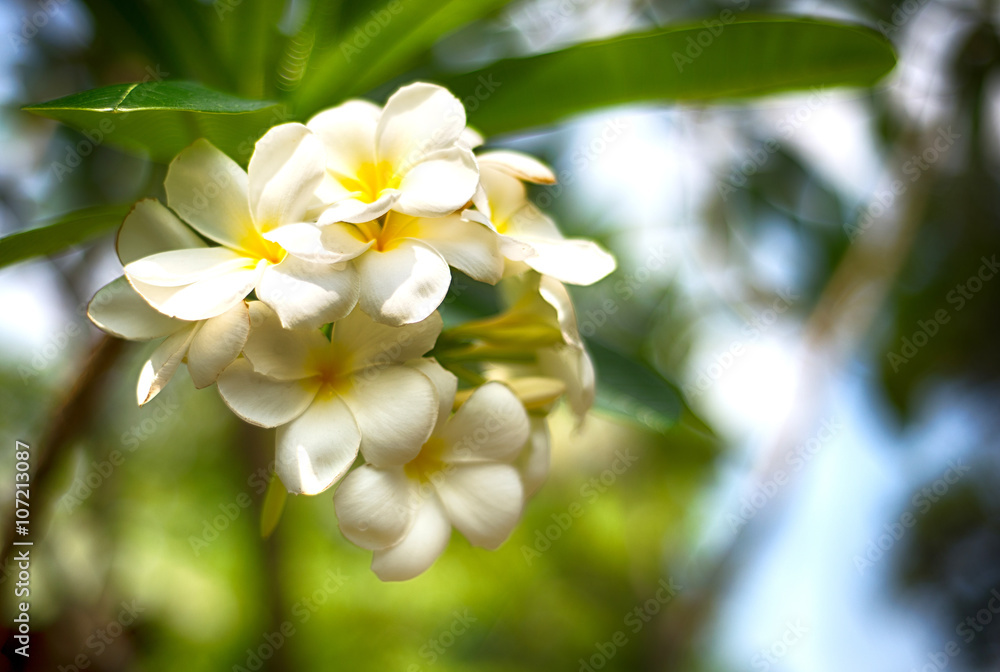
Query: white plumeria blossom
402 261
307 288
395 183
207 346
568 362
528 236
462 478
363 389
542 297
413 156
239 210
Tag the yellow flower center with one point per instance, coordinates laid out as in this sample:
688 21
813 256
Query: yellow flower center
428 463
385 229
331 373
371 179
255 243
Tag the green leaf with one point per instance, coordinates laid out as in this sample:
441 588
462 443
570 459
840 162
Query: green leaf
744 59
630 390
161 118
273 507
62 232
382 43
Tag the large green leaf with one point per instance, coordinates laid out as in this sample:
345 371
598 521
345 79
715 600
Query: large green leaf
381 44
702 62
630 390
161 118
61 232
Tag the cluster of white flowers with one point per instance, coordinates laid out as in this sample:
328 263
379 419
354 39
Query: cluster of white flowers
307 288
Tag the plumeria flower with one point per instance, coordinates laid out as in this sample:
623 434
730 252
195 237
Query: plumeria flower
462 478
529 238
540 323
413 156
364 388
239 211
402 261
207 346
538 395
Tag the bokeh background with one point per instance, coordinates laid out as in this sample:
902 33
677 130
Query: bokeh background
826 497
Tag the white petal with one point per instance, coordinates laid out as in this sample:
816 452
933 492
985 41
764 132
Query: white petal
554 293
216 343
279 353
183 267
482 203
120 311
530 222
514 249
395 408
329 244
425 541
202 299
357 211
471 138
209 191
492 425
287 165
261 400
444 381
518 165
505 194
574 367
404 283
304 294
442 182
375 507
483 500
576 261
368 343
534 462
150 228
418 119
468 246
160 367
348 134
317 448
